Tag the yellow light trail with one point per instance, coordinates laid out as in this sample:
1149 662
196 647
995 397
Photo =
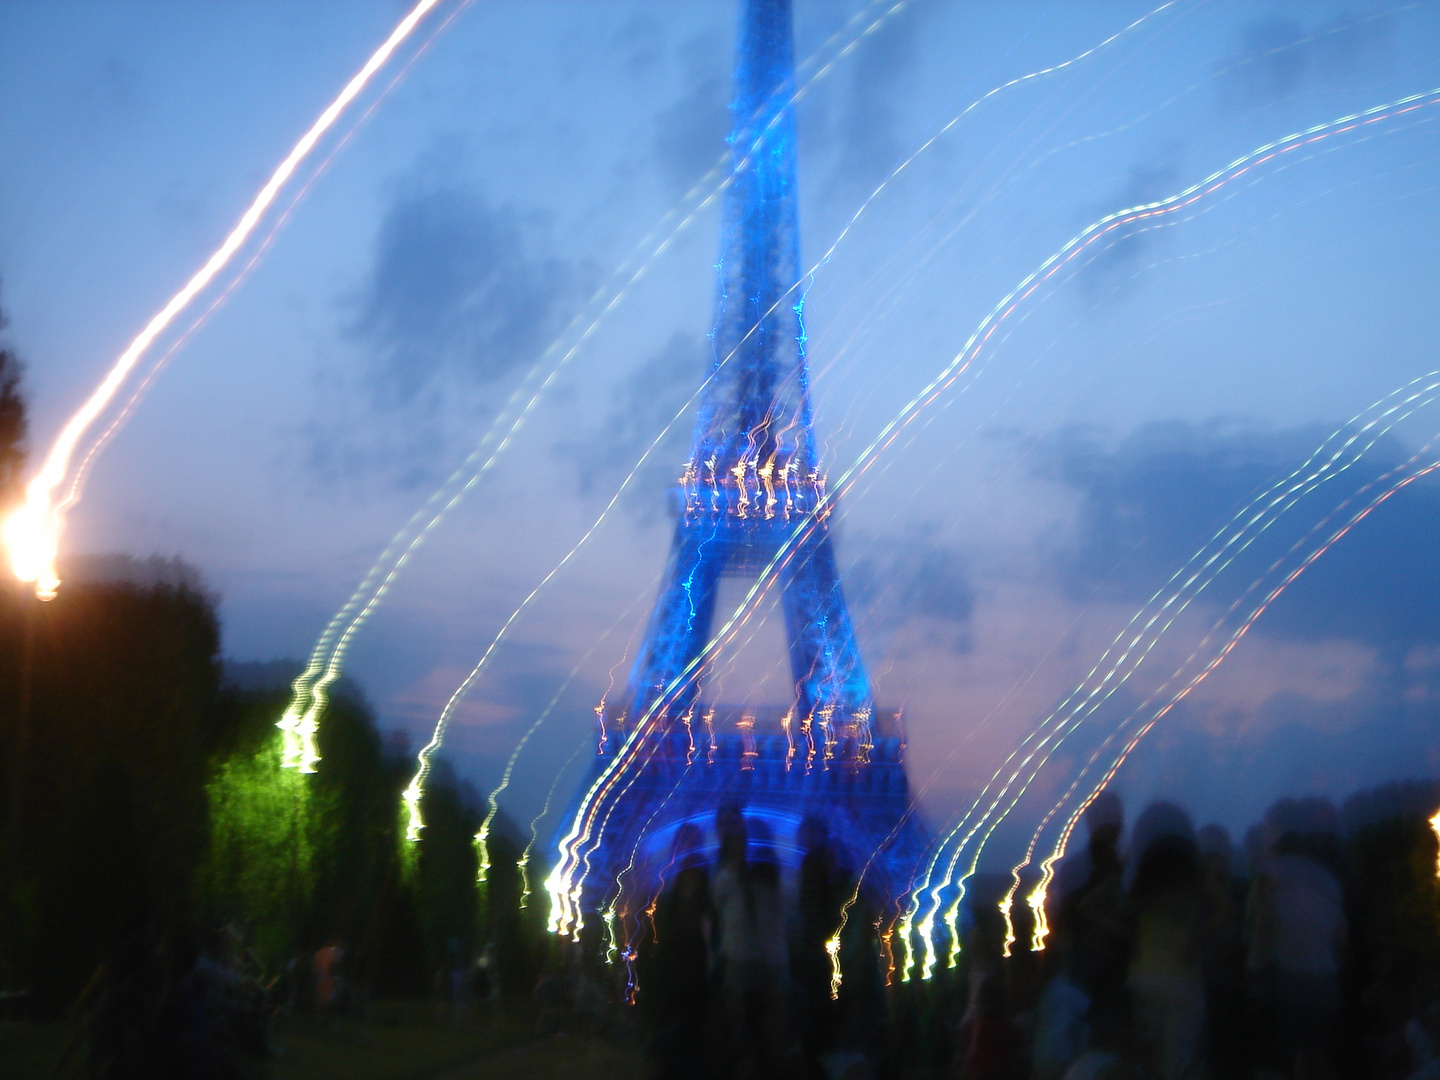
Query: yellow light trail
482 837
1130 648
1067 254
1037 898
309 694
80 473
563 886
1435 828
31 533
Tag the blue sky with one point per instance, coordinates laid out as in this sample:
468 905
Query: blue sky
1126 409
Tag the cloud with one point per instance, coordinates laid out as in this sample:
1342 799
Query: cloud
1149 500
1275 57
460 297
914 577
866 117
458 293
1231 767
639 408
1107 273
640 40
690 134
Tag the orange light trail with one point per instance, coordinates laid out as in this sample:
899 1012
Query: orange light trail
564 885
1346 446
1147 213
31 534
1037 897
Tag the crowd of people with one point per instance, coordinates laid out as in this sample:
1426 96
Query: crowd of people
738 976
1171 953
1310 949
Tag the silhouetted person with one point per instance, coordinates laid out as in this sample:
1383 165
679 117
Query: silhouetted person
1223 953
817 918
1296 930
863 1009
1167 979
751 954
675 987
1093 937
989 1044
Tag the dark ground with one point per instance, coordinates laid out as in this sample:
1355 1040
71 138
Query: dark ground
403 1040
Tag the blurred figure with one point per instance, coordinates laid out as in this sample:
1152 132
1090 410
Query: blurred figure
326 965
817 917
1087 1003
485 984
155 1012
456 982
1297 930
751 954
1167 980
989 1044
863 1009
675 980
1223 952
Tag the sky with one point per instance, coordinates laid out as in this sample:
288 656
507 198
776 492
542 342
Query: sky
489 196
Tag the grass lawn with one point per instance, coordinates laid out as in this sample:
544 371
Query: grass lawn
400 1040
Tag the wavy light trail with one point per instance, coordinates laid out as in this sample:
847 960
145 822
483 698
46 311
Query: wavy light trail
31 533
493 799
1133 644
309 718
309 695
306 718
1388 485
566 882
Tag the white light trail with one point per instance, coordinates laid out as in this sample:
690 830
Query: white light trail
301 720
31 534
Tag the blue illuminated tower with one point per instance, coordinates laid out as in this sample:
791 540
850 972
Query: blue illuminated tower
751 503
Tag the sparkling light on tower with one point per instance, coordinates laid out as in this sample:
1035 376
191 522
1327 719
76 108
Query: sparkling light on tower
751 503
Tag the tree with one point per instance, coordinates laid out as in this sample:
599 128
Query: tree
12 423
107 763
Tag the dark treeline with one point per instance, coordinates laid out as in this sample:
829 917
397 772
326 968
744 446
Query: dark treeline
144 798
144 813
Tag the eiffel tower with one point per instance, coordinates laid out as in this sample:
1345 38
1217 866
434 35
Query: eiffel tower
751 503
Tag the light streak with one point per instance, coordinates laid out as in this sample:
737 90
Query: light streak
1066 255
564 885
1037 898
493 800
1435 828
31 533
309 694
1333 456
524 860
81 472
832 947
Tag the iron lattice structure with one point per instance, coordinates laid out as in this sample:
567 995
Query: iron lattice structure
751 503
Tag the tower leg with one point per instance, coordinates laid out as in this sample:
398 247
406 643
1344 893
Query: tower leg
680 626
824 658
